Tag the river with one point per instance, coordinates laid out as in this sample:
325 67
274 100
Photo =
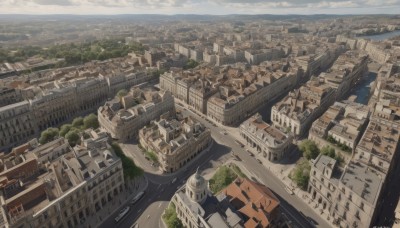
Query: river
383 36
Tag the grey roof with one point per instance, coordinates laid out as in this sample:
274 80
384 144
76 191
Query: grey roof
322 161
216 221
363 180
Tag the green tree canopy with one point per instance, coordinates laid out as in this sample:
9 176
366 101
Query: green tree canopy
73 137
65 129
222 178
91 121
48 135
170 217
309 148
77 122
174 222
301 174
328 151
122 93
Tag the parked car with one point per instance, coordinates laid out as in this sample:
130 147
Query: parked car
289 190
251 154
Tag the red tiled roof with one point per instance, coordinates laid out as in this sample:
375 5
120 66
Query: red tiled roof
260 204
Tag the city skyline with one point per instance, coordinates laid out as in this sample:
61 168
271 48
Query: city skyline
212 7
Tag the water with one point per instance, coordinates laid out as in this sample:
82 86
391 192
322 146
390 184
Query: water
383 36
363 90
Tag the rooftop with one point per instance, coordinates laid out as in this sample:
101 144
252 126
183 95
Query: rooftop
264 131
365 181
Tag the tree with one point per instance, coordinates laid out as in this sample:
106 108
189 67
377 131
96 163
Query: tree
222 178
170 217
122 93
328 151
309 148
191 64
48 135
301 174
73 137
91 121
77 122
65 129
174 222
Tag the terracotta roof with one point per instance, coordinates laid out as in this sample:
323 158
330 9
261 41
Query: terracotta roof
250 223
258 203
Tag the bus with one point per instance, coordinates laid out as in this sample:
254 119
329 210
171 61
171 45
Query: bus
122 213
137 197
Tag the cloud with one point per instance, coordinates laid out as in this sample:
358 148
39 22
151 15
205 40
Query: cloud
53 2
199 6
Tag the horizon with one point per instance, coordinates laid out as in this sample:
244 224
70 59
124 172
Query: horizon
199 7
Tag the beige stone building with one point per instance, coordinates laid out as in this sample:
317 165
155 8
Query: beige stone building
387 87
243 93
192 87
343 122
348 195
353 198
346 72
56 102
323 183
297 111
17 124
268 140
175 141
9 96
123 118
66 191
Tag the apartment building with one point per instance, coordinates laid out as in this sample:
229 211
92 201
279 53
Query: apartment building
175 141
268 140
65 191
349 195
54 103
346 72
297 111
242 94
124 117
344 122
9 96
17 124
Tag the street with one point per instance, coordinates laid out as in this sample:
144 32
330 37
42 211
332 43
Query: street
147 212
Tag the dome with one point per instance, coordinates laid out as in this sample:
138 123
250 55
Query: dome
196 181
196 188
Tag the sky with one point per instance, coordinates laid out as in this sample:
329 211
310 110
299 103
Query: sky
218 7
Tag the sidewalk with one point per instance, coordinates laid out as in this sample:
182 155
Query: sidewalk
132 188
